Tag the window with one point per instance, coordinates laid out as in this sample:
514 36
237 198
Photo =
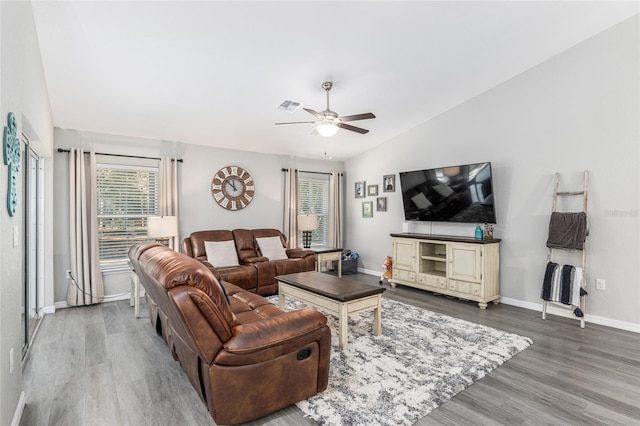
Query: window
126 196
313 198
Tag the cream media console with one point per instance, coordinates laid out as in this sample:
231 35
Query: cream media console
456 266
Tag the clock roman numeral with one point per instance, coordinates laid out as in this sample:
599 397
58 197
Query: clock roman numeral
218 196
233 205
234 170
248 197
242 203
251 188
225 172
225 202
249 179
219 178
216 187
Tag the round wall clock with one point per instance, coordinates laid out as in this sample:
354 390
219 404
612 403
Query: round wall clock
233 188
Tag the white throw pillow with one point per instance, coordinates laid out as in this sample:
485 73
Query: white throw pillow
271 247
221 253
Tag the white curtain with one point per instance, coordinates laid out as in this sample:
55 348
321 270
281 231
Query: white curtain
291 207
336 219
169 191
85 286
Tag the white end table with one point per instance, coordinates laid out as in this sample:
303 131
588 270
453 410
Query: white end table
328 254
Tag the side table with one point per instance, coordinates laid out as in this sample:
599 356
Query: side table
327 254
135 293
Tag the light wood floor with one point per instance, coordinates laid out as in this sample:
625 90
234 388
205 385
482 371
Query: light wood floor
100 366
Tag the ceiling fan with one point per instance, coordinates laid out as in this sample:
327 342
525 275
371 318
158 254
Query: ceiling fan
328 121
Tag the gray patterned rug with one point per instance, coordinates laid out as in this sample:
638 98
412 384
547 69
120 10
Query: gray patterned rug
421 361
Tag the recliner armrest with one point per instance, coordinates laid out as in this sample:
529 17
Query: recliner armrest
298 253
273 331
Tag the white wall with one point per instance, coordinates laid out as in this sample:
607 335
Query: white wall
197 209
23 92
577 111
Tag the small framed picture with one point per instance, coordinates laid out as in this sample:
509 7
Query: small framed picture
367 209
389 183
372 190
381 204
359 189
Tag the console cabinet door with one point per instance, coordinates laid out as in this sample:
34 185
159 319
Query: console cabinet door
465 262
404 254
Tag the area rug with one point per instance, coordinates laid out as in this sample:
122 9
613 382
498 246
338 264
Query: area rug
421 361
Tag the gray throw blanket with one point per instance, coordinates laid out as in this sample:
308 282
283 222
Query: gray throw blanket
567 230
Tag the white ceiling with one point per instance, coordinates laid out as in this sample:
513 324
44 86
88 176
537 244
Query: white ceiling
213 73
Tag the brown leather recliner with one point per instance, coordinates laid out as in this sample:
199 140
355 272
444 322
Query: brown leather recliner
246 357
256 273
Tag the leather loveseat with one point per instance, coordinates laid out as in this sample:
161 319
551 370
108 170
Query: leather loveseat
244 356
254 272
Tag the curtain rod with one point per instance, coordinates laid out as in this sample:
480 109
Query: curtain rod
179 160
308 171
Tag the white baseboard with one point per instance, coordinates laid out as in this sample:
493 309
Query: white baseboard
553 309
17 415
49 309
108 298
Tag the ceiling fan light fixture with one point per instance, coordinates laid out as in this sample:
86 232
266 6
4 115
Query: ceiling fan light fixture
327 129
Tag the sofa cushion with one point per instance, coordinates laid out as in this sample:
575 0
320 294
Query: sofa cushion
221 254
271 248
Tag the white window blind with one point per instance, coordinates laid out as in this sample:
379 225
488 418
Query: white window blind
126 196
313 198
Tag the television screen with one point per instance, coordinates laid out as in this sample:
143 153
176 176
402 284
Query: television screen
449 194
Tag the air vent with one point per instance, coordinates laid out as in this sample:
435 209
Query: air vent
289 106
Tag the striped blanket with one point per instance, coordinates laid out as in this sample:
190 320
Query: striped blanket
563 284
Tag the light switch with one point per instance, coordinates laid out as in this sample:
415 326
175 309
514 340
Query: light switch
16 236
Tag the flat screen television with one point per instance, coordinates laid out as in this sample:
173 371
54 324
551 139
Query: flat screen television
449 194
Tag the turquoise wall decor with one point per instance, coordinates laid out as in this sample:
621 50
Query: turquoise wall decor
12 159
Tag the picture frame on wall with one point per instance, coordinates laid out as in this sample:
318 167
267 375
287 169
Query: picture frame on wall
372 190
367 209
389 183
359 189
381 204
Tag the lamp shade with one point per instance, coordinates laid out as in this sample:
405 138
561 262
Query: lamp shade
162 226
327 130
307 222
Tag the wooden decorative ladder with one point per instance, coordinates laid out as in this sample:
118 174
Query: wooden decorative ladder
584 193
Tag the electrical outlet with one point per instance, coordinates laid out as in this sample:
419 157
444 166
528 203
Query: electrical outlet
67 274
11 361
600 284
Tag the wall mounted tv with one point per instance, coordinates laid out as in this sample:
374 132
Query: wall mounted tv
449 194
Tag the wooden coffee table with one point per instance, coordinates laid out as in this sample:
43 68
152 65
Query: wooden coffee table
339 296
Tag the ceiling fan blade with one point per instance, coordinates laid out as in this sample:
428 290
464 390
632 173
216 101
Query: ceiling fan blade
352 128
314 113
355 117
298 122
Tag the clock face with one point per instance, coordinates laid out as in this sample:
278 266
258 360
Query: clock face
233 188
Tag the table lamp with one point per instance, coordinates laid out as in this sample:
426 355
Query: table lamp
162 228
307 223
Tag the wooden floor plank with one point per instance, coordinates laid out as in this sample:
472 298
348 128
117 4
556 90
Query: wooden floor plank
100 365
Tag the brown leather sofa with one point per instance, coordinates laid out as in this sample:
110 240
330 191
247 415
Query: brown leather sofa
256 273
245 357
